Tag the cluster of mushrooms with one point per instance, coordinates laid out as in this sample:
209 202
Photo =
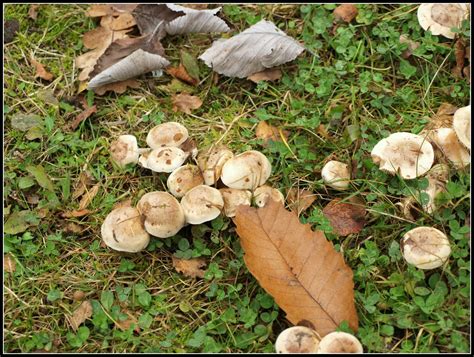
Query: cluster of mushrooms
159 213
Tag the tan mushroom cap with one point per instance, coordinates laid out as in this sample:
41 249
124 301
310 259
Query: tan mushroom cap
462 125
165 159
166 135
409 154
163 214
183 179
124 150
211 162
297 339
447 141
263 193
336 175
425 247
246 171
123 230
233 198
440 18
340 342
201 204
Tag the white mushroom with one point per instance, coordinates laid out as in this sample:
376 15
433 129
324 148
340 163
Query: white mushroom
124 150
447 141
297 339
439 19
336 175
425 247
339 342
201 204
123 230
263 193
163 215
165 159
246 171
210 162
233 198
166 135
408 154
462 125
183 179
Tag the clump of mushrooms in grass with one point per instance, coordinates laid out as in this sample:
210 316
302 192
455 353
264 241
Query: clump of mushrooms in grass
440 19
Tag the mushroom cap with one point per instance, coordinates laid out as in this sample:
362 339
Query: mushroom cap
124 150
340 342
246 171
201 204
447 141
233 198
183 179
165 159
123 230
297 339
336 175
425 247
462 125
210 162
166 135
163 214
409 154
263 193
440 18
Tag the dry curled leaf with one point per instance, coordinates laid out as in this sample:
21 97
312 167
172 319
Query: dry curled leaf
345 12
9 264
41 71
185 102
298 267
459 54
299 199
81 314
125 324
271 74
345 218
190 267
83 116
88 197
181 73
267 132
76 213
33 11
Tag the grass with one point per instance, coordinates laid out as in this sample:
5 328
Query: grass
359 88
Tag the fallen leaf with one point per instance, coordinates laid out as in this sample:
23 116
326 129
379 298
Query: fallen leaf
25 122
32 199
117 87
412 46
42 212
176 86
85 179
459 54
82 116
9 263
267 132
271 74
10 28
190 267
41 71
185 103
99 10
298 267
443 117
33 11
40 175
345 12
47 96
20 221
125 324
75 214
152 18
88 197
321 130
299 199
345 218
180 73
115 23
72 227
81 314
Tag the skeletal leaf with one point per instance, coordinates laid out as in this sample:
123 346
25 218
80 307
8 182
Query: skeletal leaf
202 21
190 267
261 46
185 103
88 197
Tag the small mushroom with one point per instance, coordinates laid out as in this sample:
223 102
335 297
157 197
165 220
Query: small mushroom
233 198
163 215
336 175
166 135
123 230
201 204
462 125
297 339
439 19
211 161
447 141
183 179
165 159
339 342
124 150
425 247
263 193
408 154
246 171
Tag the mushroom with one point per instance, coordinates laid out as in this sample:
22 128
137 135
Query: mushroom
246 171
447 141
233 198
339 342
408 154
123 230
124 150
165 159
210 162
425 247
166 135
441 18
263 193
297 339
336 175
437 179
183 179
462 125
163 215
201 204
